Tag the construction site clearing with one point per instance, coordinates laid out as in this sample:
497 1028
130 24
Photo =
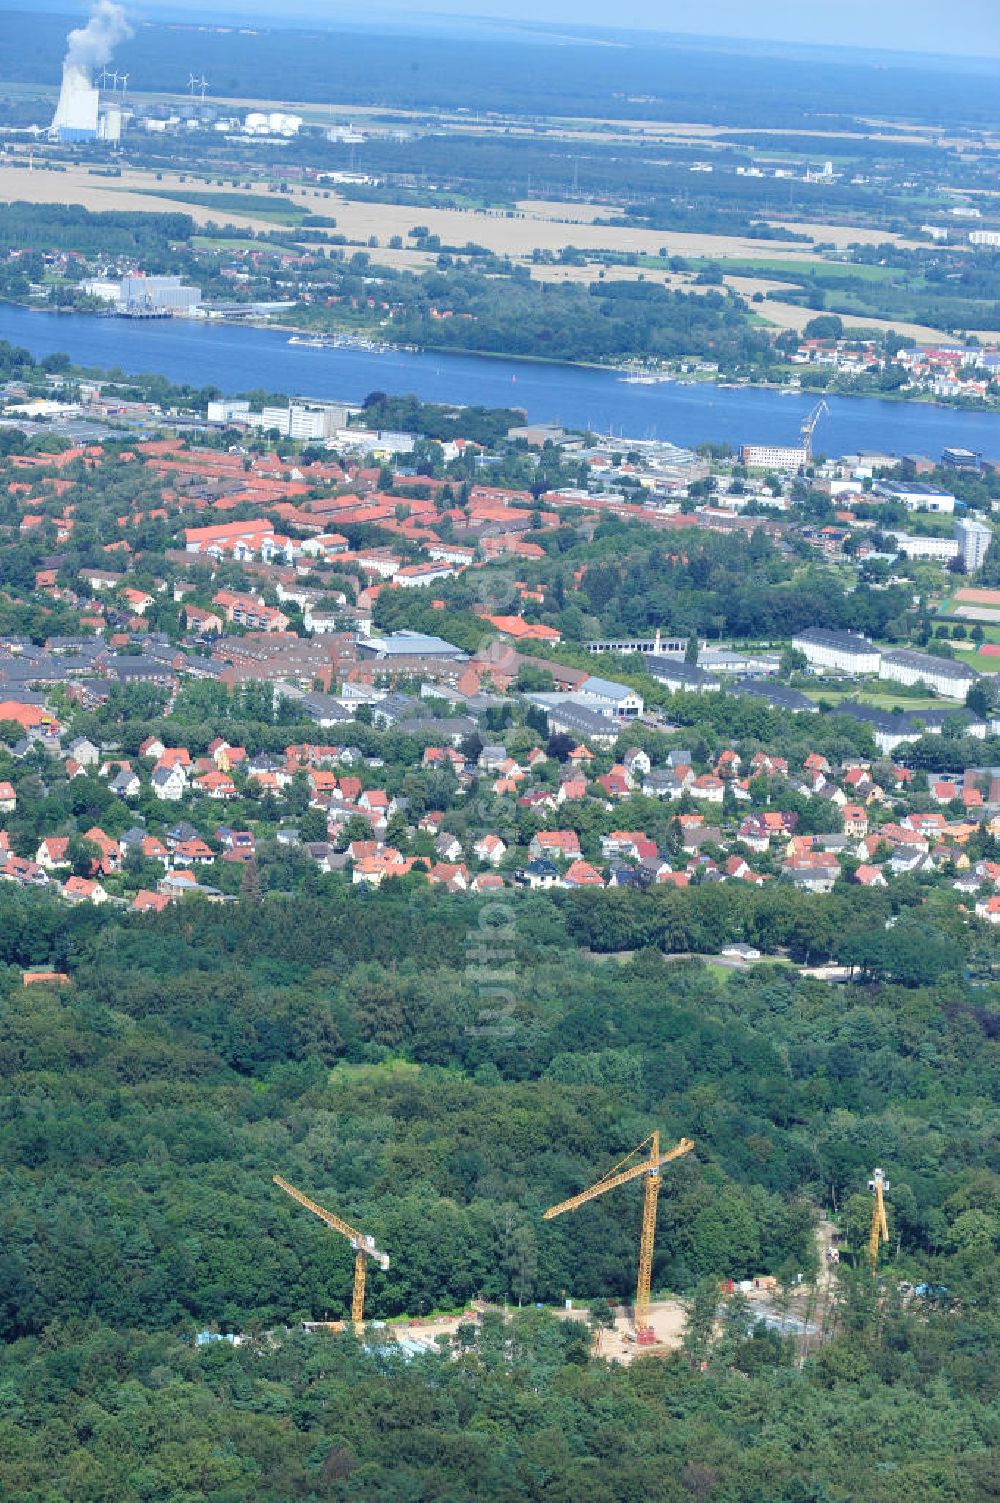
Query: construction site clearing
799 1313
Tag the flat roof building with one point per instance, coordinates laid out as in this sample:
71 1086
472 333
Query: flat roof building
973 538
773 457
961 459
406 644
163 294
915 495
939 550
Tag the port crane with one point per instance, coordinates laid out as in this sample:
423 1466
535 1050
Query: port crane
622 1173
809 428
364 1247
878 1184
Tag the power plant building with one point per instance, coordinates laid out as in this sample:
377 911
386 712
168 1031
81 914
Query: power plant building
81 115
76 117
158 295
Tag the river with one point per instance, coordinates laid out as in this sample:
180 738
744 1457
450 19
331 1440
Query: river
238 358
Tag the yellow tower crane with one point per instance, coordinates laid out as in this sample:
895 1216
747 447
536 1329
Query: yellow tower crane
621 1174
878 1184
364 1247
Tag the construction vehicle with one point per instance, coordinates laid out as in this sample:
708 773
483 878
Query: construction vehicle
621 1174
364 1247
878 1184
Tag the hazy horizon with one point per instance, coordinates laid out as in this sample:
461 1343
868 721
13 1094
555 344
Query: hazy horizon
966 28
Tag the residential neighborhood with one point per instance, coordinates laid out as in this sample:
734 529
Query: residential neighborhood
284 664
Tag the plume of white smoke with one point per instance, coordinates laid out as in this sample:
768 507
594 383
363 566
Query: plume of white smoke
91 46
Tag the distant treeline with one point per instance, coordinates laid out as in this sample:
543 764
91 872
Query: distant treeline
645 77
69 227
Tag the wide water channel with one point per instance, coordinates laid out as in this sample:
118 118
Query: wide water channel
237 358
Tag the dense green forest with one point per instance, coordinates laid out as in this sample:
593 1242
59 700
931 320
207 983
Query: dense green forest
517 316
41 227
713 584
337 1038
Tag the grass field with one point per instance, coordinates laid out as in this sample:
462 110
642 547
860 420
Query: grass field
970 656
274 208
791 271
882 699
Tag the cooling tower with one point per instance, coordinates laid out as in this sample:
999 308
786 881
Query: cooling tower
76 113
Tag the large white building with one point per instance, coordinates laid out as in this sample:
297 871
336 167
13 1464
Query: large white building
773 457
905 666
166 294
383 444
307 421
102 288
141 294
915 496
837 651
939 550
974 539
608 697
228 411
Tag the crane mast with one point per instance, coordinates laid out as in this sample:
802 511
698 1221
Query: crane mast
648 1168
649 1203
364 1246
809 428
878 1184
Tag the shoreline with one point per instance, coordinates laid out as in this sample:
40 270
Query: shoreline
816 394
436 375
721 380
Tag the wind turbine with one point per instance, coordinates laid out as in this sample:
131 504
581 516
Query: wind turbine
114 81
192 84
124 84
203 85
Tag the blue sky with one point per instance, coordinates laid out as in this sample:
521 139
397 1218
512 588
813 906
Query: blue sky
967 27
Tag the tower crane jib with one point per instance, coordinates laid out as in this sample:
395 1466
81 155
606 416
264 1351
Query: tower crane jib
647 1168
363 1245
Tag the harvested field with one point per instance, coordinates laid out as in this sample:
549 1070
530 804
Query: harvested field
517 236
791 316
584 275
844 235
544 208
134 191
